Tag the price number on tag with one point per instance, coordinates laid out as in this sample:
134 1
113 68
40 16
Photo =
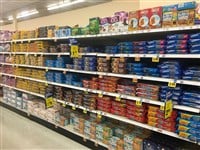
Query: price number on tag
172 84
74 51
49 102
168 108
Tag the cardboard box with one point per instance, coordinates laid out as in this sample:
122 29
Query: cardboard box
169 16
133 20
155 20
104 25
123 21
186 13
144 16
114 24
94 25
197 14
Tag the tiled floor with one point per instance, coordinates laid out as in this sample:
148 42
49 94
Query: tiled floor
19 133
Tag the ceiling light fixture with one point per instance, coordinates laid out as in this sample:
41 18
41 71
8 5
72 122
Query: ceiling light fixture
63 4
1 21
24 14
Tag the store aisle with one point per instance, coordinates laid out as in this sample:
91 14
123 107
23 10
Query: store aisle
19 133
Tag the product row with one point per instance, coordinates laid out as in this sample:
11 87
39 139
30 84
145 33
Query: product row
117 135
183 14
172 44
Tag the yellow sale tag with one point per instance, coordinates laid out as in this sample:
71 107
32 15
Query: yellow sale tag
99 116
47 70
73 108
162 108
49 102
64 105
86 92
35 54
74 51
168 109
64 72
122 59
21 41
139 103
155 59
100 95
137 58
29 41
118 98
135 80
85 111
172 84
46 84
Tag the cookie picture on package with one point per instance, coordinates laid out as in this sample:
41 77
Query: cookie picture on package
154 20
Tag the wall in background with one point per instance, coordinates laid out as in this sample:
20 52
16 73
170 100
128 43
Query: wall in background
80 16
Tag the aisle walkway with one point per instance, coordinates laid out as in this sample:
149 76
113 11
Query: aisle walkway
19 133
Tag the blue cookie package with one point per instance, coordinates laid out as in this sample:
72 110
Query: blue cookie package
176 46
139 43
178 37
156 42
188 123
155 47
184 51
125 44
196 51
111 49
195 36
194 41
170 42
186 5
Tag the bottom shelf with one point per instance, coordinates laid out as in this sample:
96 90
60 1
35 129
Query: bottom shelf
64 130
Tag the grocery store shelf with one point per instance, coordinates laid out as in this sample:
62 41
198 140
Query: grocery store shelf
147 31
4 42
189 56
68 128
129 76
126 120
116 95
21 90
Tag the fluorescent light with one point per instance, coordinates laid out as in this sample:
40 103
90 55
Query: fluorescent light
1 21
24 14
63 4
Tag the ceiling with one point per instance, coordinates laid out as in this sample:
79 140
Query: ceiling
12 7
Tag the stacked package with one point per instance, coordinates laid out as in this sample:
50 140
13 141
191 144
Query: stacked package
42 32
118 65
194 43
78 97
103 65
188 126
167 93
50 76
170 69
61 62
2 58
78 63
90 63
5 47
8 69
78 122
125 47
119 108
50 63
104 132
59 77
104 103
108 84
191 73
177 44
191 98
8 81
149 71
139 47
125 87
135 112
91 84
58 92
135 68
5 35
147 91
156 47
111 49
156 118
68 95
89 101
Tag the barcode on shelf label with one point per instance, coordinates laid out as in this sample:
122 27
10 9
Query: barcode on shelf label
172 84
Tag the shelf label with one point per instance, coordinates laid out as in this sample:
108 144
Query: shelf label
46 69
21 41
73 108
49 102
99 116
100 95
55 40
118 98
29 41
74 51
168 108
35 55
58 55
85 111
172 84
100 76
138 102
107 57
137 58
135 80
162 108
155 59
46 84
122 59
64 105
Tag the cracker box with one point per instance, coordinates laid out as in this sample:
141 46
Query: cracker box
133 21
104 24
144 16
169 16
94 25
123 21
114 24
197 14
186 13
155 17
